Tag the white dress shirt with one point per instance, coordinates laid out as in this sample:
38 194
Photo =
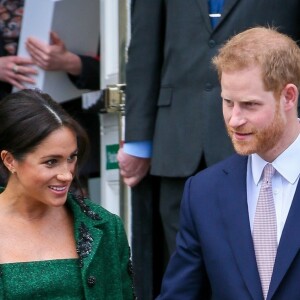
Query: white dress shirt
284 182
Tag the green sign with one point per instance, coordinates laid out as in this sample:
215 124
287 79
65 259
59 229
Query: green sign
111 157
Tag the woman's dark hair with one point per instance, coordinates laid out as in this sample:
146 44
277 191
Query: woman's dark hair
28 117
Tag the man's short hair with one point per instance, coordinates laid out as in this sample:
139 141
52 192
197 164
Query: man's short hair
276 54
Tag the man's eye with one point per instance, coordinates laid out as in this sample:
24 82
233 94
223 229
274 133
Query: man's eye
228 102
250 104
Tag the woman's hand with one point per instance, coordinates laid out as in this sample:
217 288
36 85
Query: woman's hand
17 70
53 56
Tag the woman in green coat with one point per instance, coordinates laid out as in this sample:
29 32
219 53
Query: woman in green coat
54 244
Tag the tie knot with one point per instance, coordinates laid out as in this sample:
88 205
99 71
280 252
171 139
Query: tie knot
269 171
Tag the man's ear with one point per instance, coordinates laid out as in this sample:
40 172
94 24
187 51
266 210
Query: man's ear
290 95
8 160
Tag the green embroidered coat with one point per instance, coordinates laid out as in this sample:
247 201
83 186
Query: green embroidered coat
104 254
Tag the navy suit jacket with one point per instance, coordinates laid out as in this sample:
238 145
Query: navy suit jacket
214 257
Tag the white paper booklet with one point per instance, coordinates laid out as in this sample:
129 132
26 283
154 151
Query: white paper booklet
78 25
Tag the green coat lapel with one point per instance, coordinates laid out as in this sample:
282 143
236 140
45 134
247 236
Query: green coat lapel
87 230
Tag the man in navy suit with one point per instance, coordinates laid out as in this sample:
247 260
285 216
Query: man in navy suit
215 257
173 106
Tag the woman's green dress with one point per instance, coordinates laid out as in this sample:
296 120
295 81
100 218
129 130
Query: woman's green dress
49 279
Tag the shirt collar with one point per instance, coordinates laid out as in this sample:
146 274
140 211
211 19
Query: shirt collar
287 163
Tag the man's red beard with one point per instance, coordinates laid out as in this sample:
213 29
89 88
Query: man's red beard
261 140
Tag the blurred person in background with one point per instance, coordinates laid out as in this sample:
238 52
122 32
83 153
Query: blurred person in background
15 71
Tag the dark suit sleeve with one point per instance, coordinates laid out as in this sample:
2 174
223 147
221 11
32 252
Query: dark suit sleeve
186 276
89 78
144 68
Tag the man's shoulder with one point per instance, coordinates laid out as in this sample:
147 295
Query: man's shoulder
234 163
205 189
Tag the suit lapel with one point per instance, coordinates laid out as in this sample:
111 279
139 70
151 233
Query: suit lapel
88 232
228 6
234 209
288 246
203 5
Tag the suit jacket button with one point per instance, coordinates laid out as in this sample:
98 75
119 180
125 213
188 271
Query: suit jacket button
91 281
212 43
208 87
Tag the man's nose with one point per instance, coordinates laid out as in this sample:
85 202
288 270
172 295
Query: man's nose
237 117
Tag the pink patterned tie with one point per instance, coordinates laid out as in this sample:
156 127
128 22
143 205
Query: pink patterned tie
265 230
